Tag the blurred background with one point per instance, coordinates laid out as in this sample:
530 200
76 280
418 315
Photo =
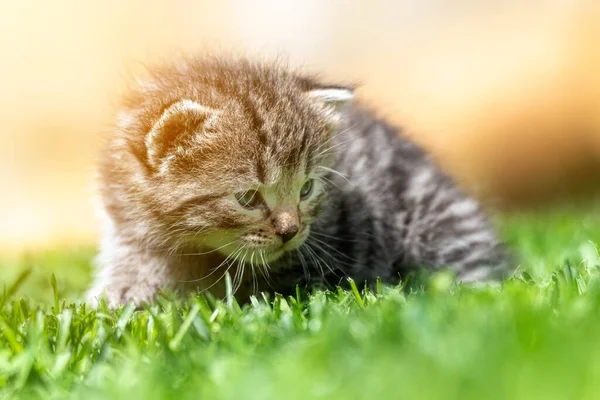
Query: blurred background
505 94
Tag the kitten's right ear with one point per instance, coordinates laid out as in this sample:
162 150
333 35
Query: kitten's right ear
333 99
177 123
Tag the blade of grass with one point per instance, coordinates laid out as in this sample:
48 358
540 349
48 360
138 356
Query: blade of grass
185 326
356 293
12 289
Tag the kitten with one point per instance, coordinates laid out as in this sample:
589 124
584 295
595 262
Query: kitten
277 178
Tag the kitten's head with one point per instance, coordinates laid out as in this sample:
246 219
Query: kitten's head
234 154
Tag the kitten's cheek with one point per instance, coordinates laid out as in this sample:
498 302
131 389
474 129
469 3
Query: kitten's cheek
312 210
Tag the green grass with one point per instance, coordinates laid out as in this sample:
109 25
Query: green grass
535 336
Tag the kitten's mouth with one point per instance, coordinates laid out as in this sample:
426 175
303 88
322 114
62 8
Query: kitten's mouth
271 251
273 254
297 242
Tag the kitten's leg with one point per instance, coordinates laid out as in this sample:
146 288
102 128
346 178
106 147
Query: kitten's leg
443 227
128 274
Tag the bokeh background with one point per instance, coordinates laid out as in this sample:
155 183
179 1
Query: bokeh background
506 94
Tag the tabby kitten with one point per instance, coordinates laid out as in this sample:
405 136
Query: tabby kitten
222 165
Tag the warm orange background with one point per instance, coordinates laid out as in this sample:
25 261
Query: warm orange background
506 95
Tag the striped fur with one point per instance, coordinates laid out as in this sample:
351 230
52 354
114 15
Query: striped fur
391 210
198 133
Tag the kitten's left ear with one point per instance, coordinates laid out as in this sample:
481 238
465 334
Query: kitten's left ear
334 99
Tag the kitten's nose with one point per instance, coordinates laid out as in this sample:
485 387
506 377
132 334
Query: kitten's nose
289 234
286 225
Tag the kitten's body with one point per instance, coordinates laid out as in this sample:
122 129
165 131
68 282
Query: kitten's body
200 130
394 210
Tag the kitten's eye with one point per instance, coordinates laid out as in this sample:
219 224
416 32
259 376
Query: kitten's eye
249 199
306 189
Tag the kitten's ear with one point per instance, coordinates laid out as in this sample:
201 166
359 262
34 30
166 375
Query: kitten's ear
333 99
181 121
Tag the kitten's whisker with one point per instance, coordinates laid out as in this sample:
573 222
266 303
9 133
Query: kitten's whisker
322 153
329 182
333 249
177 222
336 261
239 274
333 171
238 270
226 271
252 268
241 279
215 269
211 251
175 248
233 254
255 277
201 230
335 136
304 265
265 270
316 260
180 239
336 238
205 239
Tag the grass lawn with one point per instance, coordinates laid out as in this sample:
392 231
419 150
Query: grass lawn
535 336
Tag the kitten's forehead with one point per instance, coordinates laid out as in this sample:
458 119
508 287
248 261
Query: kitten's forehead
268 123
284 175
281 136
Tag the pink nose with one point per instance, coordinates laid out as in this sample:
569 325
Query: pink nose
288 234
286 224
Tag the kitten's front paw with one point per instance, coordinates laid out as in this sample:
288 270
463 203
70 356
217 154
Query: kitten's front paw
116 297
